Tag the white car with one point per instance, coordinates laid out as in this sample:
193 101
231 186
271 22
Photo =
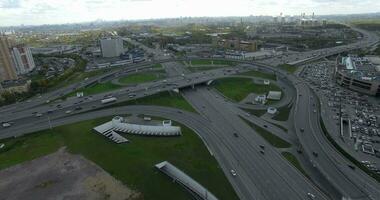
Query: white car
6 124
68 112
233 172
311 196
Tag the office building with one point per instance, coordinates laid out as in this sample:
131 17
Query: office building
7 69
22 59
111 47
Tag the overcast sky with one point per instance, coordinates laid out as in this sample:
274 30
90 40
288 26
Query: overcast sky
33 12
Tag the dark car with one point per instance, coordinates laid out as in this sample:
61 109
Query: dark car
351 166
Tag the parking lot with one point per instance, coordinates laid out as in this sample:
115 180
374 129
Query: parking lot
351 118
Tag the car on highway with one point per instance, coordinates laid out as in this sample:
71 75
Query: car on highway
233 172
38 114
6 124
236 135
351 166
68 111
310 195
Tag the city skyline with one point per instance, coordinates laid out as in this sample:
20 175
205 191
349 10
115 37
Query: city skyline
37 12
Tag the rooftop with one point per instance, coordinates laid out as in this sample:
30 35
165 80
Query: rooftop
364 68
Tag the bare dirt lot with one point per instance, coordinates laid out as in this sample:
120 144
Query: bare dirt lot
61 176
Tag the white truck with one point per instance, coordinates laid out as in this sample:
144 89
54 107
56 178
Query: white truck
108 100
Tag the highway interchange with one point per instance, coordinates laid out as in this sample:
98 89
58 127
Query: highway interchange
260 176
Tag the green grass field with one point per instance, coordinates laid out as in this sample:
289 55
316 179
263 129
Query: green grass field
132 163
260 74
203 68
288 68
80 76
98 88
281 127
269 137
257 113
169 99
283 113
238 88
210 62
294 161
140 78
157 65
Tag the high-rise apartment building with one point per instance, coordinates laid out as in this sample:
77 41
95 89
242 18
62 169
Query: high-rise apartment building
111 47
7 69
22 59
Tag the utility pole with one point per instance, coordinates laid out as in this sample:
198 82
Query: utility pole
49 123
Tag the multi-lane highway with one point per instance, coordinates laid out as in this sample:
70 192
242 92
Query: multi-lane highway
235 144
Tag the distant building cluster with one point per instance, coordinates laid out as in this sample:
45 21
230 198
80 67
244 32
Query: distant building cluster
311 21
234 44
361 74
301 20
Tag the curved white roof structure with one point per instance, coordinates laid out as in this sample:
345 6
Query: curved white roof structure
117 124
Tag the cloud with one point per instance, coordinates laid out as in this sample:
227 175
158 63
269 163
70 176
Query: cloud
10 3
41 8
94 1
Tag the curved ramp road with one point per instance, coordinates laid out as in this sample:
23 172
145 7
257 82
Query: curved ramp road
230 153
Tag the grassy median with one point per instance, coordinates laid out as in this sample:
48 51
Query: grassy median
99 88
141 77
212 62
288 68
269 137
203 68
169 99
259 74
132 163
238 88
283 113
294 161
